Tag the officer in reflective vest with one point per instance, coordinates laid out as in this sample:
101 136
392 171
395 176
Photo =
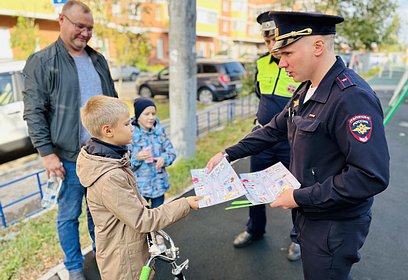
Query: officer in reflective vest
274 89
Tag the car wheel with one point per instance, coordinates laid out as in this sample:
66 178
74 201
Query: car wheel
133 77
205 96
145 92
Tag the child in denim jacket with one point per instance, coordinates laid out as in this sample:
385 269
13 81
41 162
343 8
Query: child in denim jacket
152 152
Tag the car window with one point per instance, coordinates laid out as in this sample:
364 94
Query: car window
209 68
234 68
164 73
6 89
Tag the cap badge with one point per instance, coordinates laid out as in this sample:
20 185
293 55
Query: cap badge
303 32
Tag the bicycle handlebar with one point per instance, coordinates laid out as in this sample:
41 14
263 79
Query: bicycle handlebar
161 252
145 273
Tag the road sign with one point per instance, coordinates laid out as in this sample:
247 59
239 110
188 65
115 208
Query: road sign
57 2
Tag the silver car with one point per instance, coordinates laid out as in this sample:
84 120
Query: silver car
14 139
124 72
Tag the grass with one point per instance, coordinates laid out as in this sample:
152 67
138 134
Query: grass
29 249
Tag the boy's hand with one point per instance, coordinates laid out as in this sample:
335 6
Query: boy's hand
214 161
159 162
193 201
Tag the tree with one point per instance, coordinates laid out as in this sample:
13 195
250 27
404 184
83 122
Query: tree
24 37
131 46
367 22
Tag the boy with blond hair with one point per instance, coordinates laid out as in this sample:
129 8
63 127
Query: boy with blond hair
121 217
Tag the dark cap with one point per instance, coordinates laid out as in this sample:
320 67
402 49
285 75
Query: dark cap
291 26
140 104
267 24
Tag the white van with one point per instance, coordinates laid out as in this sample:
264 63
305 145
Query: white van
14 140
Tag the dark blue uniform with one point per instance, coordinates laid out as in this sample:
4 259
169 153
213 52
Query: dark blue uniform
340 156
270 103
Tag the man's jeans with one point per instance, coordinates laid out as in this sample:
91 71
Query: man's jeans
69 210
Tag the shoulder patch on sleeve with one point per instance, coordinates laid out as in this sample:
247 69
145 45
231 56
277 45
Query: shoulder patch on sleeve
344 81
360 127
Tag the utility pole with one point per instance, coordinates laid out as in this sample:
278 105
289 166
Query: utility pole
183 72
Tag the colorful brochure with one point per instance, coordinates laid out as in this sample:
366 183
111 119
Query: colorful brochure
266 185
220 185
223 184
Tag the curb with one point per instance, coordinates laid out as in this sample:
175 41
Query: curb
59 272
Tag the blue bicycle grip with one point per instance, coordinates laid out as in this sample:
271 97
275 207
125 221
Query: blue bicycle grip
144 274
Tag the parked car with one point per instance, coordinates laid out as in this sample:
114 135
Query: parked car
14 139
125 72
216 80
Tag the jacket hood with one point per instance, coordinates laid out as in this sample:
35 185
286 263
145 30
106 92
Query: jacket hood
91 167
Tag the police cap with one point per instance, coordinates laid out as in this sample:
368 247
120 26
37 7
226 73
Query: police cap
291 26
267 24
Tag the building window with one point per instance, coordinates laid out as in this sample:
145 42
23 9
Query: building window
135 11
159 49
240 25
207 17
225 6
239 5
158 13
5 50
212 50
116 11
225 26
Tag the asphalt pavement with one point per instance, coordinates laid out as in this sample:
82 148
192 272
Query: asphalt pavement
205 236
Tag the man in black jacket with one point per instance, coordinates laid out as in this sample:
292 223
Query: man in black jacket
339 153
58 81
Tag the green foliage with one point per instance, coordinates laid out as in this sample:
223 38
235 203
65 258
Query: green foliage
152 68
366 24
131 47
24 37
371 72
248 81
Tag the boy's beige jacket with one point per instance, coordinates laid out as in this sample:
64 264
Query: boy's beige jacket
120 216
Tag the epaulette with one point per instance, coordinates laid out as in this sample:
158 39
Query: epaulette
344 81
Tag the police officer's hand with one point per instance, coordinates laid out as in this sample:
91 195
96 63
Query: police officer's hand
285 200
214 161
53 167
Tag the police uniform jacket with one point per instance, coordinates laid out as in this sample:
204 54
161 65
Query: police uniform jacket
272 86
339 152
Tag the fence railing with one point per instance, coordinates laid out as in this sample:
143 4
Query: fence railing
15 183
211 118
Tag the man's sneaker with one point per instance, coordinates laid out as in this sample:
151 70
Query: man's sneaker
244 239
77 275
294 252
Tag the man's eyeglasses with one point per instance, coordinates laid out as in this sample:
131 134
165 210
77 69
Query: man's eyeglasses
79 27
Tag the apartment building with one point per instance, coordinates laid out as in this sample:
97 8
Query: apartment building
224 27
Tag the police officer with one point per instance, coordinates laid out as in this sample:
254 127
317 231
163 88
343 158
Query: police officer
274 89
339 154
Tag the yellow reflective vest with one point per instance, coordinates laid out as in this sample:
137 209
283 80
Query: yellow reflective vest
271 79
